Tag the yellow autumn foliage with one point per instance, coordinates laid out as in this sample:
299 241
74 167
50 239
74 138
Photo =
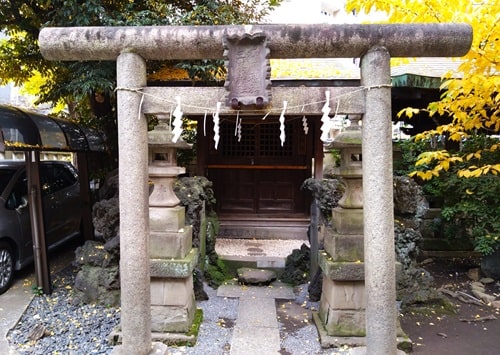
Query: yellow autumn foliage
169 73
471 96
280 69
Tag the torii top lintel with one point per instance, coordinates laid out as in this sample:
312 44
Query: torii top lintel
284 41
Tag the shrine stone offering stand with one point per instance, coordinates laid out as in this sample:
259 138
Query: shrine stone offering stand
374 44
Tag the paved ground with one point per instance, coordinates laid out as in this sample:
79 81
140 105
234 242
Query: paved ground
256 327
12 305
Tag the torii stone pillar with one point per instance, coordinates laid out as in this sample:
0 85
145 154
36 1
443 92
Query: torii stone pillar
372 43
134 207
378 208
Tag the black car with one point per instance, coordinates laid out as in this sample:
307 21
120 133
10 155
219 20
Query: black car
61 203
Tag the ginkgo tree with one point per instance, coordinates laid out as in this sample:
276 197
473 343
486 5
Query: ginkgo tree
471 96
467 114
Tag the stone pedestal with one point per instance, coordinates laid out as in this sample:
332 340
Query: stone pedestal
173 258
342 315
343 301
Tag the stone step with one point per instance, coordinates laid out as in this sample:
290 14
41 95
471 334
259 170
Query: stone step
263 232
259 228
256 330
259 253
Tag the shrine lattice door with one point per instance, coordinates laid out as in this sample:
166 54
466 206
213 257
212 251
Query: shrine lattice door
253 174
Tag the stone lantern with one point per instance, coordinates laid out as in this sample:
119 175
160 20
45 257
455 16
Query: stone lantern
173 258
348 216
342 306
162 164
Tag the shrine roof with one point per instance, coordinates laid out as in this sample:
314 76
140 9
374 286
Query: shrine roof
414 72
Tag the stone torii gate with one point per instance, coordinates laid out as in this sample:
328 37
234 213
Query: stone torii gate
374 44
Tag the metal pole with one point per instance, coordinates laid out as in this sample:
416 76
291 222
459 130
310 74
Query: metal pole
42 270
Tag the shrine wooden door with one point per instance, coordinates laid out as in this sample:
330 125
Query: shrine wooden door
253 174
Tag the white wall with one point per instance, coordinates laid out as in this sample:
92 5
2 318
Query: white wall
309 11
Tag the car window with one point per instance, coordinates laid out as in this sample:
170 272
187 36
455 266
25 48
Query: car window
55 177
19 191
5 177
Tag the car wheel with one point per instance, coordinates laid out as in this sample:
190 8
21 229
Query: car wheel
6 267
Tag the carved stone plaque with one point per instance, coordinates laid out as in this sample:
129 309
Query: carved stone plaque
248 71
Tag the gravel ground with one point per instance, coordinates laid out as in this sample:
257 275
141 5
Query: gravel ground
69 329
63 327
220 315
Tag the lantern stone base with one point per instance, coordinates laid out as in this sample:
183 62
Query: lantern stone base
342 304
343 247
171 244
346 270
335 341
170 291
341 316
340 270
344 295
172 318
345 322
163 219
173 304
175 268
348 221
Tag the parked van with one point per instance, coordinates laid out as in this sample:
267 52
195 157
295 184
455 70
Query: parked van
61 205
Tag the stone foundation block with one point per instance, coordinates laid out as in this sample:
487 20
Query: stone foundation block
171 292
343 247
327 341
344 295
174 268
346 270
342 322
348 221
177 319
340 270
171 244
163 219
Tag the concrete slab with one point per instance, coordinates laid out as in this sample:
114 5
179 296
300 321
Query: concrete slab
274 291
256 328
273 249
13 303
255 341
268 262
364 351
259 253
257 312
